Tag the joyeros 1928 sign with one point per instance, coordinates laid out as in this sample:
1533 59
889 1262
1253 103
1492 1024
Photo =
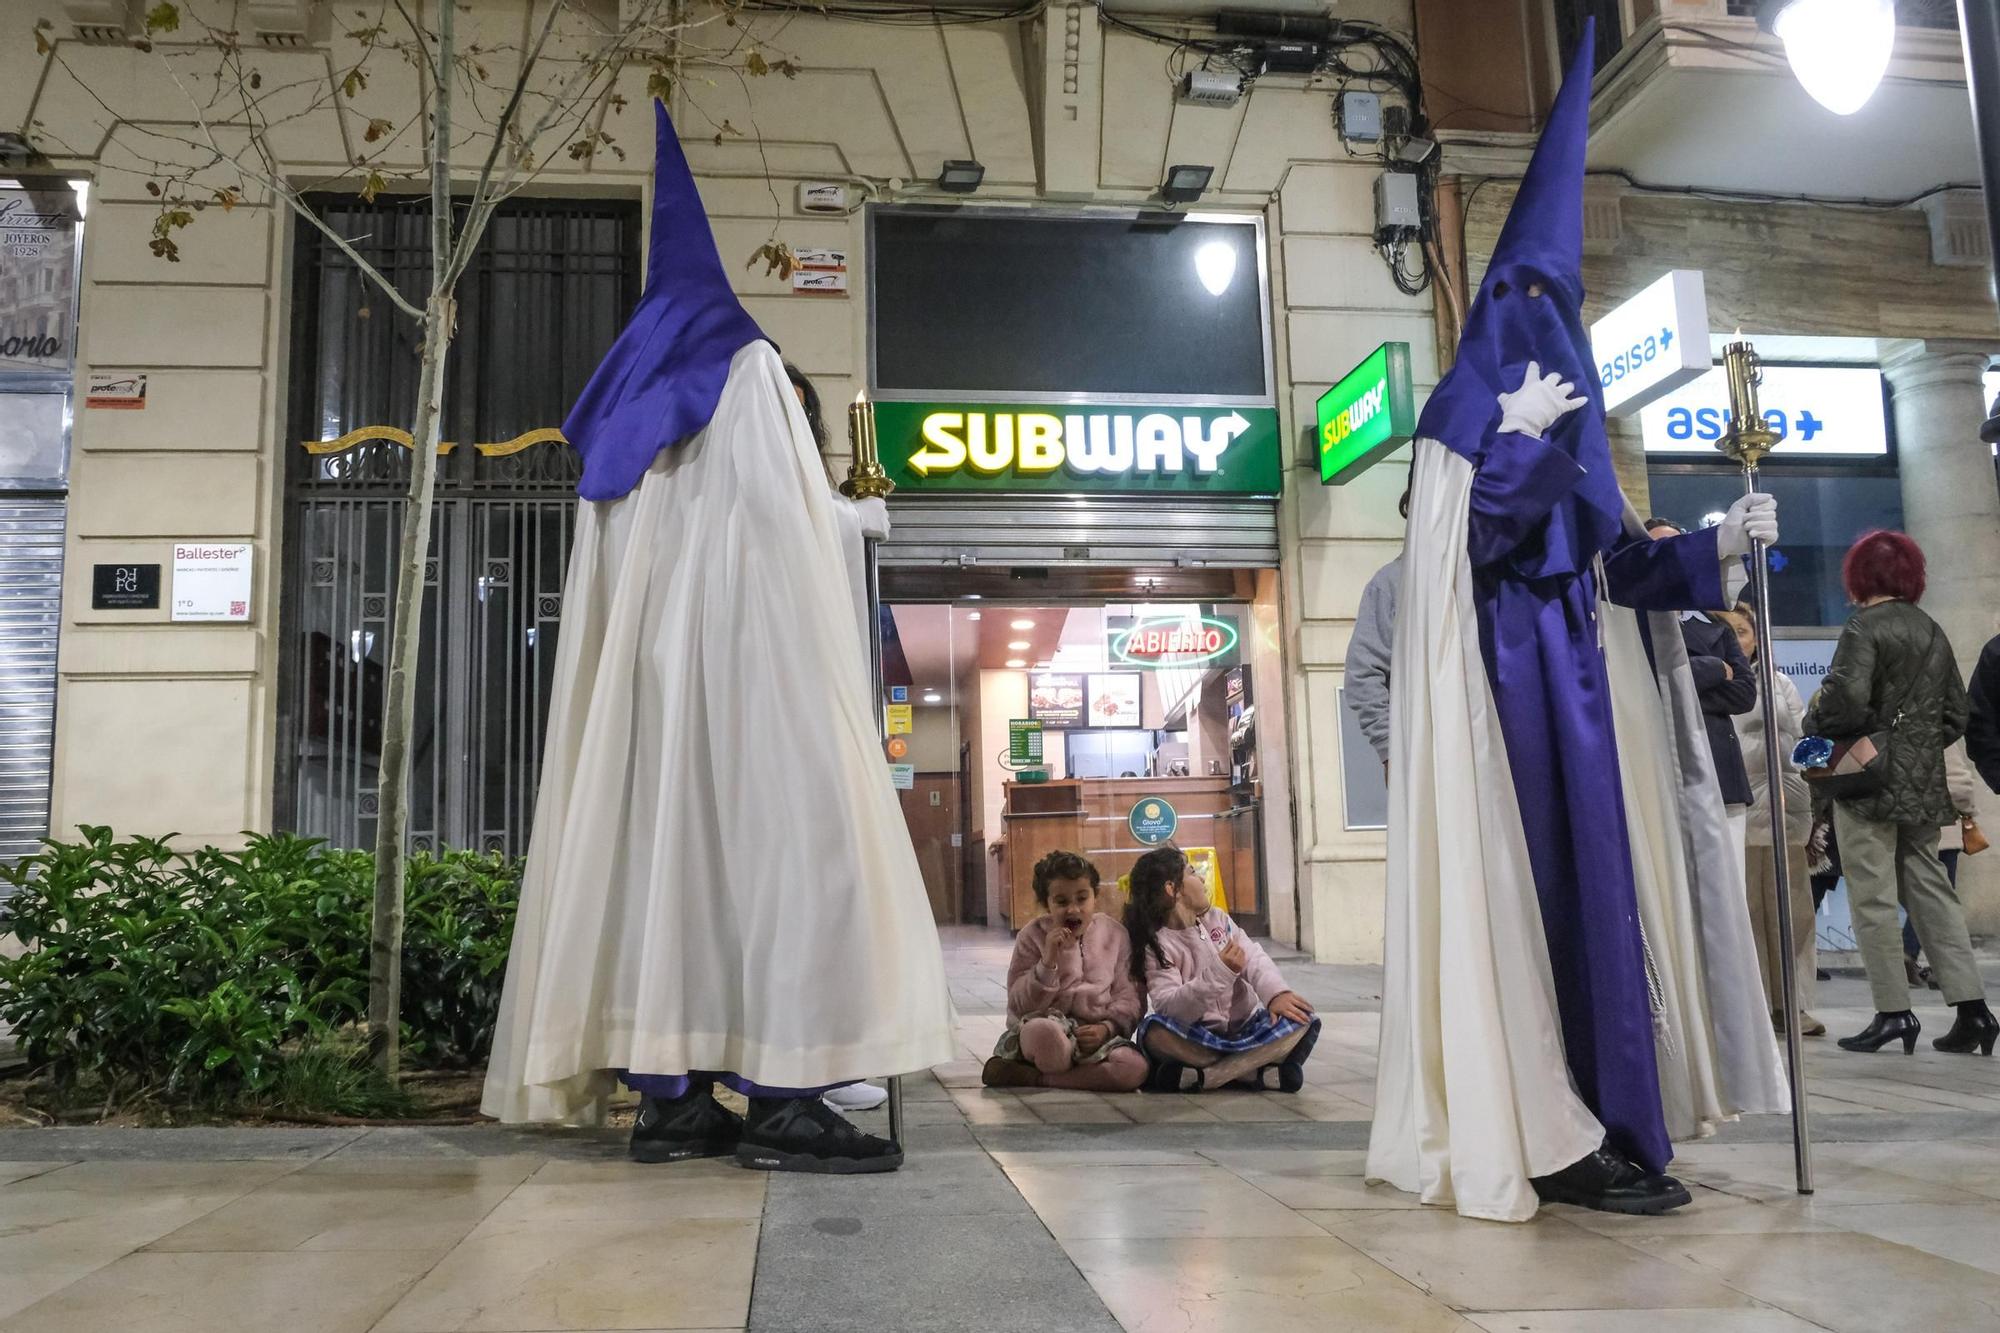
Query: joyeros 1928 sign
38 294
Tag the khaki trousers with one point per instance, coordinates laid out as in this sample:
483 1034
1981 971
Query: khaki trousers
1760 877
1885 863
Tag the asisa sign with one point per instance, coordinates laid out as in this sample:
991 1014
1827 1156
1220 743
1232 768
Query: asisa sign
1826 410
1079 447
1653 343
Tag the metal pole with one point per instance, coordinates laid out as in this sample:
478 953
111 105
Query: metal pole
1979 29
1748 441
866 479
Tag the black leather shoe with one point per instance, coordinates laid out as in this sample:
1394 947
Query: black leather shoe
687 1127
1886 1028
1974 1029
805 1134
1609 1183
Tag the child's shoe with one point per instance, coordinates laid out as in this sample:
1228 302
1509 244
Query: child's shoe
1000 1072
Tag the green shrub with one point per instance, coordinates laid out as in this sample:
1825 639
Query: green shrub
202 976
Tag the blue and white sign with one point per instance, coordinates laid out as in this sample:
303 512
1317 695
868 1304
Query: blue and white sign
1830 411
1805 661
899 694
1652 344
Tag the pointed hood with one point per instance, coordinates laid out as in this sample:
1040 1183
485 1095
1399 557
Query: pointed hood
1530 308
660 382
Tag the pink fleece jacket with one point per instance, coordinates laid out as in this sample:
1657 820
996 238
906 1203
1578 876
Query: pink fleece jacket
1197 987
1092 981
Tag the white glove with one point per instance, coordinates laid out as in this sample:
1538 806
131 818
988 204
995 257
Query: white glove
1540 402
874 515
1752 518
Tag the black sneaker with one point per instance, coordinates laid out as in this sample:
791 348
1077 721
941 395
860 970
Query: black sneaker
687 1127
805 1134
1609 1183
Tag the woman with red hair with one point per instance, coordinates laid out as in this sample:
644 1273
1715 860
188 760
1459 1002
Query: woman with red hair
1893 674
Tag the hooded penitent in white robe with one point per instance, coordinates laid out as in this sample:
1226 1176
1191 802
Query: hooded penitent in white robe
1474 1097
720 876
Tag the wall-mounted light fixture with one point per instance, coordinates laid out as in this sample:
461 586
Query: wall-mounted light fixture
1185 184
960 177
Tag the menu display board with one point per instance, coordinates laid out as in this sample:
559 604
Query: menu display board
1055 699
1114 699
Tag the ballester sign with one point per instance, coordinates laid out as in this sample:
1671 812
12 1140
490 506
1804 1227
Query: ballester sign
1079 447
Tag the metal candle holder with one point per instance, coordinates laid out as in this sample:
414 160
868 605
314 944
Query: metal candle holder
866 480
1748 441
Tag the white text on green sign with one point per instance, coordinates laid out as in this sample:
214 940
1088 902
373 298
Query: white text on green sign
1369 413
1037 443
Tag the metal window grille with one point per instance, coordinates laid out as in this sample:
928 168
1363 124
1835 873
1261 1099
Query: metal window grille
552 284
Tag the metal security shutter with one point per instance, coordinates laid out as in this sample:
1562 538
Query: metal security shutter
1079 531
31 557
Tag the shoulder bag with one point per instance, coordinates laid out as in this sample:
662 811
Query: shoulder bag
1859 768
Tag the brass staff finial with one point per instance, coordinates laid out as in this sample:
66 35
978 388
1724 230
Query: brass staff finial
865 478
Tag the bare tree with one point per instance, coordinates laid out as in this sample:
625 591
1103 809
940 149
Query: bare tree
488 120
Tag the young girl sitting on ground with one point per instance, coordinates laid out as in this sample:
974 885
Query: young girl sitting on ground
1071 997
1220 1007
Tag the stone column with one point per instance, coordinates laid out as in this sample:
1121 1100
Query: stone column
1951 505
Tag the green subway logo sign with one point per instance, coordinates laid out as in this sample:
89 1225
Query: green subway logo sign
1370 413
1079 447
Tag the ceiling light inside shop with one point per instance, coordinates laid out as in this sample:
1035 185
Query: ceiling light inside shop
1024 624
1838 49
1020 645
1215 265
933 697
972 615
1016 663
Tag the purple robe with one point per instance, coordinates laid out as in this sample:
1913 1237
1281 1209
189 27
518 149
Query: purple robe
1539 637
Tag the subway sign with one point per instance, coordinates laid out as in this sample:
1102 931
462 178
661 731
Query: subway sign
1369 414
1079 447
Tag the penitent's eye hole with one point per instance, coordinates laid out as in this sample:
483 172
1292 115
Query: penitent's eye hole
1534 289
1501 288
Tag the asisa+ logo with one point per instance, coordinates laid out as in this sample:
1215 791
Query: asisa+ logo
1642 353
1712 423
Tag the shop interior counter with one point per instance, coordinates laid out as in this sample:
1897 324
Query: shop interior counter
1094 816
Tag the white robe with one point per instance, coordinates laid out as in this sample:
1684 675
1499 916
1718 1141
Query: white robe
720 877
1473 1094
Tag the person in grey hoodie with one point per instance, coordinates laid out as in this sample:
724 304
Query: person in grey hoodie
1369 651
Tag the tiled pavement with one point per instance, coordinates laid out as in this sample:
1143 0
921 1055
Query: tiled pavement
1017 1211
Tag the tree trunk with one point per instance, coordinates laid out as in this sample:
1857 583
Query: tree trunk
385 946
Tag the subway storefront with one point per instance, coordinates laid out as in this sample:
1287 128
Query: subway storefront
1080 596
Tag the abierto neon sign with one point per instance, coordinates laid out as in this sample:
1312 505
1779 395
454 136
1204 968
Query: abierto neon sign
1174 641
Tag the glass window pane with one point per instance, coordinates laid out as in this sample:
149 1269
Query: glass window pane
1818 516
34 441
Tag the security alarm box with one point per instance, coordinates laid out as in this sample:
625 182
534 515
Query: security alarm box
822 197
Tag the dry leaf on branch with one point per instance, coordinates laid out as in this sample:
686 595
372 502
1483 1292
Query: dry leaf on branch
778 257
377 127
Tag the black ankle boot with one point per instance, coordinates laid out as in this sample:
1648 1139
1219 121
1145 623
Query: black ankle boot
805 1134
1609 1183
1886 1028
1975 1029
685 1127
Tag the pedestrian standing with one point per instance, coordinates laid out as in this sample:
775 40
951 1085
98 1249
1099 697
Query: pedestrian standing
1894 682
1760 869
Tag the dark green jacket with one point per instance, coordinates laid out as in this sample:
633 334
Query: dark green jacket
1893 670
